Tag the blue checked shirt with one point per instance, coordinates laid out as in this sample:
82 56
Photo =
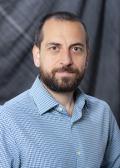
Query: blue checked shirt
37 132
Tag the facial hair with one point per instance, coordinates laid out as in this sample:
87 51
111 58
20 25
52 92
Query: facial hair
63 84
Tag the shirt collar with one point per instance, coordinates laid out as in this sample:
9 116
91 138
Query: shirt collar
42 98
80 105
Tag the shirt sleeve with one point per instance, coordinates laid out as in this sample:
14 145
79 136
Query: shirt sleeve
112 154
9 155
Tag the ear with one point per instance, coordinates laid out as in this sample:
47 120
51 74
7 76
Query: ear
36 56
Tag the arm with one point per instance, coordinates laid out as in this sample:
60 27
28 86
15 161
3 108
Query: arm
9 156
112 154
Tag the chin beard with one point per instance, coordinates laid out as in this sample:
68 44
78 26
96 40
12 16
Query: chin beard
63 84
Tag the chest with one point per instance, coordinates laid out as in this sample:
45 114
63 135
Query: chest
51 141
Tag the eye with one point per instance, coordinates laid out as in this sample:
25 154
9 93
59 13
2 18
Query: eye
54 48
77 49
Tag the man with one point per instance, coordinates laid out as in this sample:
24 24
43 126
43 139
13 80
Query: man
54 124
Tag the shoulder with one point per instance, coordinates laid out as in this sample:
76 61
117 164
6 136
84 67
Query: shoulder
98 109
96 103
18 105
100 113
21 99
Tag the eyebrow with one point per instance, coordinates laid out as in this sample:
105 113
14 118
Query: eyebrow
53 43
72 45
77 44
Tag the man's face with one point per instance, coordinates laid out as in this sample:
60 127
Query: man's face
62 56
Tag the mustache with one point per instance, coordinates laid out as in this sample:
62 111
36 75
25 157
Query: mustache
66 69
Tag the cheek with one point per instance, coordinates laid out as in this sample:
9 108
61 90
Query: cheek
50 62
47 64
80 63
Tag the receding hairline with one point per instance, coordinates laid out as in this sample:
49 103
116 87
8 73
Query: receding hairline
59 16
63 20
55 22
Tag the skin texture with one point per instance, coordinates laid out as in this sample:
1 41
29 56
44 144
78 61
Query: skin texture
62 55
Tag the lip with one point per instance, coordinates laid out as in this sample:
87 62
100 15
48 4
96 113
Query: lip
64 73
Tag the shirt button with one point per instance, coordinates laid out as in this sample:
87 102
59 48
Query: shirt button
60 109
78 153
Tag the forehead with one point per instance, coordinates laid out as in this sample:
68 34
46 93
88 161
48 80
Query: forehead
55 29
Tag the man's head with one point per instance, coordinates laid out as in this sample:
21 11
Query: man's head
61 51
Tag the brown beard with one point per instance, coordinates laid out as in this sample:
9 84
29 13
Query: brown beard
65 84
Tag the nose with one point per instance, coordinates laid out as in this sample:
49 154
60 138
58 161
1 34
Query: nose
66 58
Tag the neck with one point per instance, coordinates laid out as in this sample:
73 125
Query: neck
66 99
